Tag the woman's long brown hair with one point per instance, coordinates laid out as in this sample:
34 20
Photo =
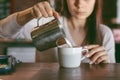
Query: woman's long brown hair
93 22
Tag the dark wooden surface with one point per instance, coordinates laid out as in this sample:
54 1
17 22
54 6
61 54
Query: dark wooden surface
16 43
52 71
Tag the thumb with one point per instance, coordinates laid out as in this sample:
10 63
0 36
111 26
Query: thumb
55 14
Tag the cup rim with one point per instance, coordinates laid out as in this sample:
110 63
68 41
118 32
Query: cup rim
67 46
60 47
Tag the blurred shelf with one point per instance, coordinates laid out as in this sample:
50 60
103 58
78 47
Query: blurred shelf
9 43
4 8
16 43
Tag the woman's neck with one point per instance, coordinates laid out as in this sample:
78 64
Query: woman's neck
77 27
77 23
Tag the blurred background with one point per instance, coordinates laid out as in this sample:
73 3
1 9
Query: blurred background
110 16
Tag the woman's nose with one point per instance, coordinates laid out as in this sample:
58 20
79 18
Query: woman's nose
79 3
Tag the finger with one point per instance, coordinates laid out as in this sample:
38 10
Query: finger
48 9
35 12
92 46
103 59
55 14
42 10
96 56
95 50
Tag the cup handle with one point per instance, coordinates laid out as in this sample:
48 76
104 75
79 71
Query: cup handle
84 50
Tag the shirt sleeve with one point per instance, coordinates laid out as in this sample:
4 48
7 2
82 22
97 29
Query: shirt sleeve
108 42
25 31
9 26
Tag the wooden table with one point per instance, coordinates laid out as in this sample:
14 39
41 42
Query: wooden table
52 71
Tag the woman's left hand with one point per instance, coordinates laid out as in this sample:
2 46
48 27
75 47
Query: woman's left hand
98 54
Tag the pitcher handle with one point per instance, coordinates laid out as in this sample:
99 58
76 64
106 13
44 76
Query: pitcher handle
38 21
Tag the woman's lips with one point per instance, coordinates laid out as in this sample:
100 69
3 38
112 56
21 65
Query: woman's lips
81 13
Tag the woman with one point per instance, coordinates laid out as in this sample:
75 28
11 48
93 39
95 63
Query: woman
83 19
81 22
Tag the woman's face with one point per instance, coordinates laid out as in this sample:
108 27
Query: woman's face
81 9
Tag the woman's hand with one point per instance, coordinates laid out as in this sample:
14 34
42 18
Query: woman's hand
43 9
98 54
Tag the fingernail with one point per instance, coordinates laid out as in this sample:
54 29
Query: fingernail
96 62
91 62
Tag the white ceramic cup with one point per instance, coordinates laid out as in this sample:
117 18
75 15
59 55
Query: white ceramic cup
70 57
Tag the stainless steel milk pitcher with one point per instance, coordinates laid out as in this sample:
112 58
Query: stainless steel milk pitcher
45 36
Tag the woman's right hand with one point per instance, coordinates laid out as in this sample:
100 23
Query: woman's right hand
43 9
